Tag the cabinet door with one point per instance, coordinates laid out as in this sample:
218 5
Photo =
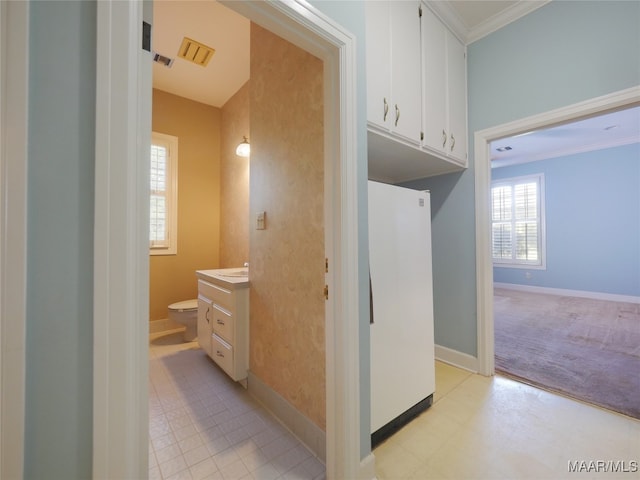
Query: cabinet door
457 95
378 63
205 314
406 89
434 62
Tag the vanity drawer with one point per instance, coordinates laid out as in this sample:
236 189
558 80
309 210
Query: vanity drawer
223 323
216 294
222 354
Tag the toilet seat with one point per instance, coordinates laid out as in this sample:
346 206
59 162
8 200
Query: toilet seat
185 305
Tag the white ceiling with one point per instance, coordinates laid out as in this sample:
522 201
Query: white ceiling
595 133
215 25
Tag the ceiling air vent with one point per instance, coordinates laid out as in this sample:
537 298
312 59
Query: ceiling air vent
162 60
195 52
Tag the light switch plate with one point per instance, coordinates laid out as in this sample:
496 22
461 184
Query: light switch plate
261 221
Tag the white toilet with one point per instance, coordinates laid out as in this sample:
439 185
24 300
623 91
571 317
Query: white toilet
186 313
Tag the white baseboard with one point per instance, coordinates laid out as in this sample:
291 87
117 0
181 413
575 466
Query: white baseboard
456 358
300 426
163 325
569 293
367 468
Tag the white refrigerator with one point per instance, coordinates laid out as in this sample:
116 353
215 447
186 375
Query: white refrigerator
402 343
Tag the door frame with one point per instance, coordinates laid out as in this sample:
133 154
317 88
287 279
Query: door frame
14 81
482 140
123 95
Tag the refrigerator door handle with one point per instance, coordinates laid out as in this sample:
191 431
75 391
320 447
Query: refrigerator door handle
370 300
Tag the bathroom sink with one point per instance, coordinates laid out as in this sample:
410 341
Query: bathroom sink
240 272
237 277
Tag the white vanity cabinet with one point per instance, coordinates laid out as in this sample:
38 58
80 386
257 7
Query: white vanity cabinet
444 74
393 69
205 309
223 320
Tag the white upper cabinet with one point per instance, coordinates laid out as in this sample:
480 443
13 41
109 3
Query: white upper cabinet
378 63
416 93
444 76
394 92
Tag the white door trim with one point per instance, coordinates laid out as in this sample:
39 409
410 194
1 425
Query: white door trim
120 278
482 140
121 241
14 81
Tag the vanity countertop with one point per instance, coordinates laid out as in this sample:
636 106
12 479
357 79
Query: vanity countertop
227 277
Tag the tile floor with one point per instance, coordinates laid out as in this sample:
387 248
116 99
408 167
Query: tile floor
202 425
495 428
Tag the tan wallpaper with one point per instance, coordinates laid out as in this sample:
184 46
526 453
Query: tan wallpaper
234 182
287 259
197 126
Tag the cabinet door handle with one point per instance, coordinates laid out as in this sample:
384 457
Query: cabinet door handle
386 110
397 114
206 315
453 142
444 138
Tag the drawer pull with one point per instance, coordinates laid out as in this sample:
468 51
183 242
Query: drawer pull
219 322
219 354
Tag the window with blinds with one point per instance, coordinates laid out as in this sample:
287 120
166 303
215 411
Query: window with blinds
163 211
517 215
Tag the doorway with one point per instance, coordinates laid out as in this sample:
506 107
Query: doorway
482 141
287 257
119 444
564 280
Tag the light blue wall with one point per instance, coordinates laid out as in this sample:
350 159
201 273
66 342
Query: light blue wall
58 433
350 14
592 203
562 53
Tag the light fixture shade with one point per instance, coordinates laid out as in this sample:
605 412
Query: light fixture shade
243 149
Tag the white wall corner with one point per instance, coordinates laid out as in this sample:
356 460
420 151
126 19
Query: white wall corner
367 468
456 358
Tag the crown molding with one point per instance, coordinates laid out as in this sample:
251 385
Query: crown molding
565 152
450 17
505 17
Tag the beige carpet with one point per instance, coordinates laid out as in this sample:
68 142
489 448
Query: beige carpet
587 349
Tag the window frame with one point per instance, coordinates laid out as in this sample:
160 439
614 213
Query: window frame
540 264
170 142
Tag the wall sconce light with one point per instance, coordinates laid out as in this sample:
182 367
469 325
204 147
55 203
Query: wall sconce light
243 149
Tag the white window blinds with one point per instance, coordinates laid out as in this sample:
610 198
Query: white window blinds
517 221
163 194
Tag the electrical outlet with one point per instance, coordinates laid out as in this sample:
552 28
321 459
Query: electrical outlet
261 221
